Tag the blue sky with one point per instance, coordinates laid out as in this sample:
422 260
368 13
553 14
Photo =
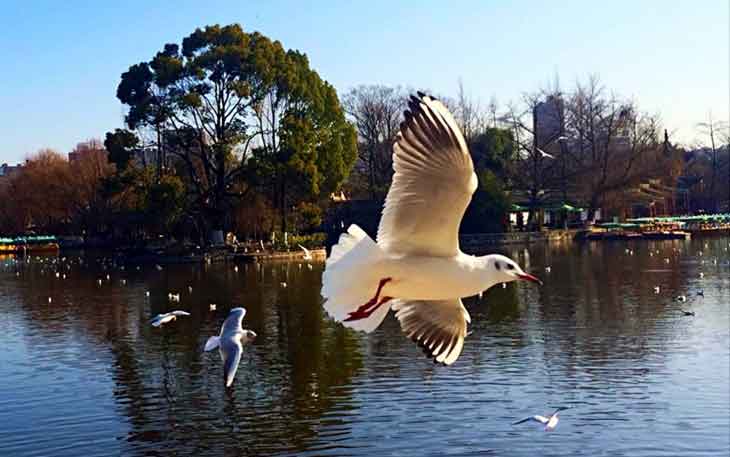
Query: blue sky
62 60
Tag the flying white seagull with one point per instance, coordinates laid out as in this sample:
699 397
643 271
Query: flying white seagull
416 267
549 422
167 317
307 254
544 154
230 343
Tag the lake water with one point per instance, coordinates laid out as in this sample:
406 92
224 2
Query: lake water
87 375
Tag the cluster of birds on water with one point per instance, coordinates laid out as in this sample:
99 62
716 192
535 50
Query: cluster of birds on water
682 298
232 336
416 267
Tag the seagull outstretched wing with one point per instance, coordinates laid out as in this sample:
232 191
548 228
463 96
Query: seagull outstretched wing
231 351
438 326
232 324
432 186
540 419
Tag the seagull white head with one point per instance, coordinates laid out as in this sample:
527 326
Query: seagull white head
502 269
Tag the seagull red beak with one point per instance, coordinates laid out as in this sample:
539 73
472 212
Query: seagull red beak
529 277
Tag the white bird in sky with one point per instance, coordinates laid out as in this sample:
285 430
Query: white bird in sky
657 289
544 154
307 254
173 297
230 343
416 267
167 317
550 422
212 306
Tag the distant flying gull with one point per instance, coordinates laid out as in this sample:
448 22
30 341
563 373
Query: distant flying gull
230 343
548 269
656 289
283 284
701 293
235 268
158 267
681 298
173 297
550 422
307 254
416 266
212 306
167 317
545 154
688 313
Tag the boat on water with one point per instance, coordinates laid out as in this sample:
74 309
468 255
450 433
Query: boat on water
29 244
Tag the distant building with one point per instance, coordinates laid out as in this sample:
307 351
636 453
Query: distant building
91 149
8 171
549 119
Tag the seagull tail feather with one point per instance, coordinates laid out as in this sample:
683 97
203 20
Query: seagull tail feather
350 279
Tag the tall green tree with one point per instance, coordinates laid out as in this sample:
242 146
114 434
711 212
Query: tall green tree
120 145
226 93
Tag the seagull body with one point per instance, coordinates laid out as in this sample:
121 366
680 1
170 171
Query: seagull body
416 267
167 317
173 297
549 422
230 343
307 254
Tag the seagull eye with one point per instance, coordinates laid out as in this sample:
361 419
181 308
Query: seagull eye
510 266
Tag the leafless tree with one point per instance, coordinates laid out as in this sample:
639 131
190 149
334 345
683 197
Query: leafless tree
377 112
714 131
609 137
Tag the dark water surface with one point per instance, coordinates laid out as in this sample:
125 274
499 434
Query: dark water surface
87 375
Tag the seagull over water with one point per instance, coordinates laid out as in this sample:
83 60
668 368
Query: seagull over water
167 317
416 267
307 254
550 422
230 343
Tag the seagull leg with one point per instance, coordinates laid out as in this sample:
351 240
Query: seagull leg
371 305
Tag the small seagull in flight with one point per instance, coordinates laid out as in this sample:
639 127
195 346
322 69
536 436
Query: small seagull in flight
544 154
657 289
550 422
230 343
688 313
681 298
307 254
167 317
